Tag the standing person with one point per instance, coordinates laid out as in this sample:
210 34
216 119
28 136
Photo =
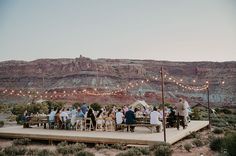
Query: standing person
130 119
188 110
52 117
181 112
91 115
119 119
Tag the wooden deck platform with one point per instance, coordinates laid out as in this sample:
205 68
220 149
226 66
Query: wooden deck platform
141 136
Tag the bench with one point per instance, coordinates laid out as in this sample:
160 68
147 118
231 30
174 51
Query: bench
149 126
35 121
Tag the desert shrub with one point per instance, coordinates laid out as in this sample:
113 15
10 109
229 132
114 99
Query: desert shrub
100 146
19 109
63 143
230 144
131 152
188 147
45 152
24 141
197 142
1 124
218 131
77 104
51 105
143 150
38 108
2 153
226 111
194 135
119 146
95 106
64 148
15 150
32 151
196 114
161 148
216 144
84 153
12 118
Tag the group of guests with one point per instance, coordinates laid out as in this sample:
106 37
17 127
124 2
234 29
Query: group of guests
66 118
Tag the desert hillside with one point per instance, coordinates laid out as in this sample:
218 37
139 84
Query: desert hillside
116 75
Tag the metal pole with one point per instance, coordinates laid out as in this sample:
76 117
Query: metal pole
209 109
163 104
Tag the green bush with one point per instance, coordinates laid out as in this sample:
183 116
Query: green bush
51 105
197 142
32 151
19 109
45 152
161 148
77 104
131 152
100 146
188 147
84 153
196 114
216 144
1 124
230 143
24 141
15 150
12 118
119 146
95 106
218 131
2 153
64 148
143 150
194 135
226 111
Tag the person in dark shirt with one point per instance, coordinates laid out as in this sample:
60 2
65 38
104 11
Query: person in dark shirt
92 116
130 119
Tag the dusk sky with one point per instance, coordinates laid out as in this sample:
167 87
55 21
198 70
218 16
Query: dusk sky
174 30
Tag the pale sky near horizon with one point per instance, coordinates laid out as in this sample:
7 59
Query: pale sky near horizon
174 30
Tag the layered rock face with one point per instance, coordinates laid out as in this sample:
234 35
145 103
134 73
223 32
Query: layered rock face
113 74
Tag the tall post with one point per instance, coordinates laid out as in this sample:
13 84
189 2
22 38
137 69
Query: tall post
208 105
163 103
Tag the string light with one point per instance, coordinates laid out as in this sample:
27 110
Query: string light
118 91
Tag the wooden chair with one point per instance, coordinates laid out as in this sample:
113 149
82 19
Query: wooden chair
99 124
88 124
80 124
109 124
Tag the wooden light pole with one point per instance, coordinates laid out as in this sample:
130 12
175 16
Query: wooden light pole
208 106
163 103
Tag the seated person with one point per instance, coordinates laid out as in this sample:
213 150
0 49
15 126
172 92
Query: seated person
79 113
154 119
64 117
171 118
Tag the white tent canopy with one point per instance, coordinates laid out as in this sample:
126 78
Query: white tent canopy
139 104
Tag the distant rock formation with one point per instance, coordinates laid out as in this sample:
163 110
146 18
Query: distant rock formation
110 74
